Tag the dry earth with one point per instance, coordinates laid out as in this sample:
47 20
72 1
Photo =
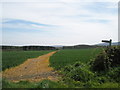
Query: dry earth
35 69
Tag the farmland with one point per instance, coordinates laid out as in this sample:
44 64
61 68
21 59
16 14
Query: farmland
14 58
88 68
79 68
70 56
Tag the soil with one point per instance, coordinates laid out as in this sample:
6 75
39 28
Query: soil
35 69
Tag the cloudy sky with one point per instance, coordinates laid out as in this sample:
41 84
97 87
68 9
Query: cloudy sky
58 22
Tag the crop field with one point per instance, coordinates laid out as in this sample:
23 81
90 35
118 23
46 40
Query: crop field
78 68
88 68
66 57
14 58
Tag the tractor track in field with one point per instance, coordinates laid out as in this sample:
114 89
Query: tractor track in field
34 69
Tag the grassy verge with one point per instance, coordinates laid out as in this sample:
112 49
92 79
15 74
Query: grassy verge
26 84
14 58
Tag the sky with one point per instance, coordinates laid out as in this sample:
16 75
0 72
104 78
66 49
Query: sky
58 22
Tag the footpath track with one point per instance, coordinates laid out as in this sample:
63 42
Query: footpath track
35 69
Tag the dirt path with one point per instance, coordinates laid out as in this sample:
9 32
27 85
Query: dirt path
34 69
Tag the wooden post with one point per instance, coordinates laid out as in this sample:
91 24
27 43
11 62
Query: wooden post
110 42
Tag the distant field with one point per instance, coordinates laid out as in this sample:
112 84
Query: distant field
14 58
65 57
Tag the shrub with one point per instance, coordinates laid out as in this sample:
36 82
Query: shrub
109 85
113 55
50 84
78 72
107 59
81 74
114 74
79 64
68 68
102 79
100 63
91 84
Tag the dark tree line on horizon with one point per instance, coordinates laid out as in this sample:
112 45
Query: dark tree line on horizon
27 48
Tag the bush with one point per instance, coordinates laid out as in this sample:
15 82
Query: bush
109 85
91 84
102 79
100 63
107 59
68 68
79 64
78 72
50 84
114 74
113 55
81 74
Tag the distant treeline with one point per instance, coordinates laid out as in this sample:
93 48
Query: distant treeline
79 47
27 48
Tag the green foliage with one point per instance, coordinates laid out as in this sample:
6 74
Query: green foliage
100 63
78 64
91 84
67 57
14 58
81 74
78 72
109 85
50 84
101 79
114 74
70 83
21 84
82 77
107 59
113 55
26 84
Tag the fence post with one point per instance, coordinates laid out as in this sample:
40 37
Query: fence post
110 43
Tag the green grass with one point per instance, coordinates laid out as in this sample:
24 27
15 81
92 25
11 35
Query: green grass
14 58
73 67
26 84
109 85
66 57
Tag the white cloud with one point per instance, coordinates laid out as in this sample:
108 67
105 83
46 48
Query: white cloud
70 15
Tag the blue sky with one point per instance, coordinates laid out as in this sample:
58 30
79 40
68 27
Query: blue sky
58 22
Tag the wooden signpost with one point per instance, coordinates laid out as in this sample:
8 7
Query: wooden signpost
108 41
